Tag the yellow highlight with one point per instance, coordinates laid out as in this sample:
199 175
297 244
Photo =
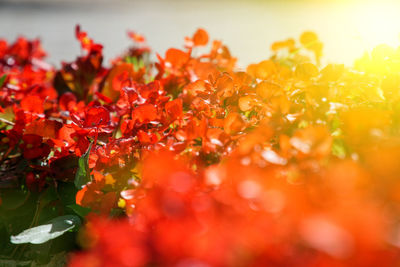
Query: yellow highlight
121 203
109 179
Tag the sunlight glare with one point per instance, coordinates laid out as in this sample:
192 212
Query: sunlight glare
377 24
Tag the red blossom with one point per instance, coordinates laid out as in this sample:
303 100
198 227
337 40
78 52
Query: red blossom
205 165
34 184
96 116
33 146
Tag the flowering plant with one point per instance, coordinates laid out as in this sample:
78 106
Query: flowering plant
188 161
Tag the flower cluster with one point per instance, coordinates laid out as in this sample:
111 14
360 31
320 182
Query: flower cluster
188 161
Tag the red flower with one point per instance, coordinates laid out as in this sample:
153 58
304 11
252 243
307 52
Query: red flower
96 116
144 113
174 108
86 42
32 103
118 243
138 38
176 58
33 147
67 101
75 138
200 37
34 183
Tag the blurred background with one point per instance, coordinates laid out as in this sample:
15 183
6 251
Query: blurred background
347 27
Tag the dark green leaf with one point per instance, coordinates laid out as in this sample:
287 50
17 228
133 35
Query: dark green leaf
13 198
15 263
116 213
2 80
79 210
59 259
48 196
67 192
82 175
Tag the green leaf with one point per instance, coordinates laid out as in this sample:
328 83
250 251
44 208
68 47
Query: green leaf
43 233
15 263
48 196
8 115
67 192
82 175
79 210
339 148
116 213
2 80
59 259
13 198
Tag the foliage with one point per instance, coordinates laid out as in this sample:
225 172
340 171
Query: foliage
187 161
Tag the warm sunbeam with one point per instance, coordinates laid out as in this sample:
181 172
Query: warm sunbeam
191 134
377 24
